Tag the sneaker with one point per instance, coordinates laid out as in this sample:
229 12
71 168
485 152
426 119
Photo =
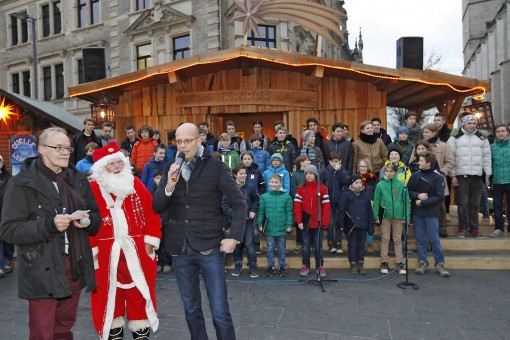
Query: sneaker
282 272
361 270
443 233
461 233
270 271
401 268
477 234
422 269
159 269
258 252
167 269
304 271
237 270
253 272
384 268
331 247
7 269
339 248
496 233
441 270
322 272
297 249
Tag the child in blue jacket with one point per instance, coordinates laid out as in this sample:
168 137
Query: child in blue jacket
277 167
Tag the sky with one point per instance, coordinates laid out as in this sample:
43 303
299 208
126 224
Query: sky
383 22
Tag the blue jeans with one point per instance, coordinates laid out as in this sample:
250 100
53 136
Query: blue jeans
426 229
279 241
248 244
6 253
312 236
187 268
334 233
498 191
356 245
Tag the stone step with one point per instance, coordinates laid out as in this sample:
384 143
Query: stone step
499 260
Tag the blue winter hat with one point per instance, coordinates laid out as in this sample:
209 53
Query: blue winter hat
401 129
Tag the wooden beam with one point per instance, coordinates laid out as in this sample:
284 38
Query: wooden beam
317 75
175 81
455 108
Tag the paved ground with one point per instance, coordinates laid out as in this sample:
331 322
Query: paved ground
468 305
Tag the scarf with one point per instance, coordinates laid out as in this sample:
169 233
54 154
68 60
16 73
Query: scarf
79 245
370 139
433 140
355 191
187 167
308 149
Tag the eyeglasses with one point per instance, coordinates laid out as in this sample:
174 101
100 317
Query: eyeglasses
363 166
60 149
118 163
186 141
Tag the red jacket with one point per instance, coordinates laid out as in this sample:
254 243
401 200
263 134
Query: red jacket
142 152
306 200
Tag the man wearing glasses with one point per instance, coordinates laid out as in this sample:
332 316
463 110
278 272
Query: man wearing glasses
54 254
190 192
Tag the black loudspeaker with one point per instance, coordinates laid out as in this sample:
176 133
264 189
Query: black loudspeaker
410 52
94 65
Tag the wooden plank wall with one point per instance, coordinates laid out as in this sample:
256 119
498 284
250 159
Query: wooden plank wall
347 101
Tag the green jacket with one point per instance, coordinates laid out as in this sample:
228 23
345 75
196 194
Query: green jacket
500 151
389 194
230 158
277 207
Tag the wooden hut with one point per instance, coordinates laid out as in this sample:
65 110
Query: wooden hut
248 83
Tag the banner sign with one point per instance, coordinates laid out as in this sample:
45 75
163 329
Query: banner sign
22 147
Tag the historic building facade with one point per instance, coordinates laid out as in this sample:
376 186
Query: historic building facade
135 34
486 33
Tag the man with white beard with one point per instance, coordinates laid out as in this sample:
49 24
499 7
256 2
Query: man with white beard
123 249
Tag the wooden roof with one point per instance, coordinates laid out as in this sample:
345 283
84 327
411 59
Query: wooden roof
405 88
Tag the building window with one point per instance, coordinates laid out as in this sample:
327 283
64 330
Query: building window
19 31
15 83
81 78
142 4
26 84
88 12
267 37
57 17
45 9
181 47
53 78
51 19
143 56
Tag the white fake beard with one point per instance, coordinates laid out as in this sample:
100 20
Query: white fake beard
120 184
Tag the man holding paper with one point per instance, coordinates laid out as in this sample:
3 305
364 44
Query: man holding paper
54 254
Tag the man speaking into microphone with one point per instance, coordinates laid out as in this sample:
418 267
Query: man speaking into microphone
191 194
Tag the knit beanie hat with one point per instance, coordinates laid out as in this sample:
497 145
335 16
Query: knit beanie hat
395 150
467 118
354 178
277 155
401 129
306 134
312 168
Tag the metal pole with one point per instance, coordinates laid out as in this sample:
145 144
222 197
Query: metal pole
34 59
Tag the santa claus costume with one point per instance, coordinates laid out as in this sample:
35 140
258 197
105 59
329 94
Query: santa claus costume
125 273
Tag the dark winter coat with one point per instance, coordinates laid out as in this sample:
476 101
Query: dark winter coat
251 198
384 136
344 148
194 208
127 144
255 178
277 207
444 133
30 205
148 171
359 209
431 206
335 181
287 150
79 142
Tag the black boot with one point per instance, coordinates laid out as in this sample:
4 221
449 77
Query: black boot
360 268
142 334
354 268
116 333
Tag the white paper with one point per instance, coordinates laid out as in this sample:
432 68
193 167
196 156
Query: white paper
78 213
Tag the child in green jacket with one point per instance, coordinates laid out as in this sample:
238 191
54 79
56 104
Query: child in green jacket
392 196
276 207
229 156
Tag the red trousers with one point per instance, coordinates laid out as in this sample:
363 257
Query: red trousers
52 319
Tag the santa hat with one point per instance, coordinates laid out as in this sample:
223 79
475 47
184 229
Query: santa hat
103 155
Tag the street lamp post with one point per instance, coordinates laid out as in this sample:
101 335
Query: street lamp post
25 17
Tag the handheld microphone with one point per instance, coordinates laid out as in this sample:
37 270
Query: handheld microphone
180 160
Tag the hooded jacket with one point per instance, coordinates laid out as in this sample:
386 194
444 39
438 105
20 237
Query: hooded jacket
276 205
284 174
376 152
262 158
472 153
79 142
29 207
500 151
392 196
344 148
142 152
335 181
306 200
359 209
286 148
148 171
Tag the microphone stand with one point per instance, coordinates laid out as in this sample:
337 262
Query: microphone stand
406 283
318 239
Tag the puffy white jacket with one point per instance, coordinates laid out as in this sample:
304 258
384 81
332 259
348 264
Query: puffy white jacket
472 153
